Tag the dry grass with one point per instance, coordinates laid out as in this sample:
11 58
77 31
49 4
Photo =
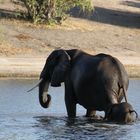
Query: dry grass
19 75
8 50
133 71
69 24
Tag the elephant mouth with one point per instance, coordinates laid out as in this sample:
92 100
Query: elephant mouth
55 84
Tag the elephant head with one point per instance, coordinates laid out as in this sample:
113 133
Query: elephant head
54 73
121 112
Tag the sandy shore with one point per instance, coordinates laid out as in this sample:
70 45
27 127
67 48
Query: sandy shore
21 67
31 67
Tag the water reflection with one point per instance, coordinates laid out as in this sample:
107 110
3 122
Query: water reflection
21 116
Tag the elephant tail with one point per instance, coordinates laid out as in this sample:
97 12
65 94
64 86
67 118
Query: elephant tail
124 92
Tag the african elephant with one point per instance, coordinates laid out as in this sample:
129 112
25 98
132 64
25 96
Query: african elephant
93 81
122 113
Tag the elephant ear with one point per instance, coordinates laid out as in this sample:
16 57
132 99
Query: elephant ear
61 69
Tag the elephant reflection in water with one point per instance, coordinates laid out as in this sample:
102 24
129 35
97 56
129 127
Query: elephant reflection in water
97 82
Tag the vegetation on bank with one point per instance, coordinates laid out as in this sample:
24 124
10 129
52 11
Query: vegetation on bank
20 38
54 11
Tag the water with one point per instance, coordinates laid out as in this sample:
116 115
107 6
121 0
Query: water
22 118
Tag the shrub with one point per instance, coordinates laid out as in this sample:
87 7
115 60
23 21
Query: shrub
42 11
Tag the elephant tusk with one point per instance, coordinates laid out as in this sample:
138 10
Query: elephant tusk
35 85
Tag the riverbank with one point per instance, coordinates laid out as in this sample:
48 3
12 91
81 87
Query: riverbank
30 67
113 29
20 67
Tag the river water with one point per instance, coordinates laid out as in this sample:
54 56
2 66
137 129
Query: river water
22 118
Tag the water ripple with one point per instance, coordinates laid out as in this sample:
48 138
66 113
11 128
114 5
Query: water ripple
22 118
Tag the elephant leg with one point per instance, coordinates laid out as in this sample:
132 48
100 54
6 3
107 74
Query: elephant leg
70 101
70 106
90 113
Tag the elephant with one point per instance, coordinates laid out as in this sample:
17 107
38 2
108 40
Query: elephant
121 113
93 81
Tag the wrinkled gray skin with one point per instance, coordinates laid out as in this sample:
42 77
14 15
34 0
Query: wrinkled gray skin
122 113
93 81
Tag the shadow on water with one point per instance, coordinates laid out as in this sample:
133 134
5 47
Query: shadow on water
81 128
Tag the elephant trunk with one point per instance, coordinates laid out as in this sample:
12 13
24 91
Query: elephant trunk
44 97
54 73
133 111
129 116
